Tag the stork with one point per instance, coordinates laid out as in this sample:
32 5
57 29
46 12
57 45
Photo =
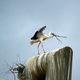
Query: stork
39 37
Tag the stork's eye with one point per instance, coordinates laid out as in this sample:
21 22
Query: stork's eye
52 33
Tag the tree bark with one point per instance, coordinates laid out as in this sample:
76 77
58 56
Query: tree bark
55 65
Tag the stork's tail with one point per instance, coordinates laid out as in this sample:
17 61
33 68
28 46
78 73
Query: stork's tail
31 42
34 41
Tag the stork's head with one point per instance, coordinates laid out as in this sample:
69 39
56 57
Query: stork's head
51 34
56 36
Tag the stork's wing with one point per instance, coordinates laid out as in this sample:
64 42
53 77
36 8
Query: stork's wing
41 29
38 33
35 36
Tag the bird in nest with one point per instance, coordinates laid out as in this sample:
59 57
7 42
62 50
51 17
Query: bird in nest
39 37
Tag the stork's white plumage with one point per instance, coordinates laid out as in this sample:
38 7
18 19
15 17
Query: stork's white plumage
39 37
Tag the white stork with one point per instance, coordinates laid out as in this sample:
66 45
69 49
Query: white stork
39 37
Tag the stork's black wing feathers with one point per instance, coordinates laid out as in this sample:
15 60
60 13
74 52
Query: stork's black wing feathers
35 36
41 29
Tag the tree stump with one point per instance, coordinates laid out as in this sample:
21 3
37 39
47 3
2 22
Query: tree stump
55 65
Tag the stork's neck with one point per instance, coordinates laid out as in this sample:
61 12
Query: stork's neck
47 37
50 36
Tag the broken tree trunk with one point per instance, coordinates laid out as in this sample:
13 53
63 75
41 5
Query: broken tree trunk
55 65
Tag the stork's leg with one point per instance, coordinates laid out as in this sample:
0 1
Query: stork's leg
38 46
42 47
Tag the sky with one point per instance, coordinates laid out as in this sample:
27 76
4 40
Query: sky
19 19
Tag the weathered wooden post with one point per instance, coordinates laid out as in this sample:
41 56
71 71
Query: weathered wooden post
55 65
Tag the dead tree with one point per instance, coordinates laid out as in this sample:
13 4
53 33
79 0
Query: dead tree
55 65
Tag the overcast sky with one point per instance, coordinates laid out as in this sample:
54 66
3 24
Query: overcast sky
19 19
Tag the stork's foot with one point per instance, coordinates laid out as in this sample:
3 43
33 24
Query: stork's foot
44 52
40 53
